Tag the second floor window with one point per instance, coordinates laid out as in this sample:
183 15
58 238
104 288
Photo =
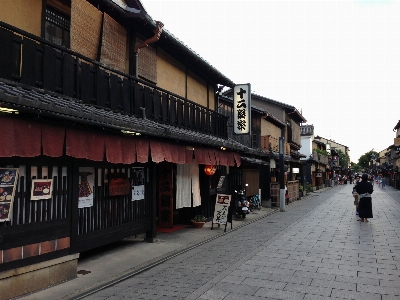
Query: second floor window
57 27
289 132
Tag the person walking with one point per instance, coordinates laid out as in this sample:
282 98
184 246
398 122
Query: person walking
355 194
383 182
364 189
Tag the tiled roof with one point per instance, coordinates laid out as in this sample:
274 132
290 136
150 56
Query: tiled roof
42 103
257 109
328 140
275 119
229 92
131 12
223 79
253 107
397 126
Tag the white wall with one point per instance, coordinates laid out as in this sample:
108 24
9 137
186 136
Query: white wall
306 146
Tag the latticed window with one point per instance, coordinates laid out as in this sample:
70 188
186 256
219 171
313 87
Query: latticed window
57 27
289 132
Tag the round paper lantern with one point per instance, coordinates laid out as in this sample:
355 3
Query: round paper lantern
210 170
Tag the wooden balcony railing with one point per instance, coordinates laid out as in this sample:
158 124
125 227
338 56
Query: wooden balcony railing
36 62
271 143
324 159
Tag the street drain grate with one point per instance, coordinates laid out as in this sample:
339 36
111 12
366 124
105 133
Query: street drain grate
84 272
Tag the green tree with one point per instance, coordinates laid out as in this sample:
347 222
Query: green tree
343 159
323 152
364 159
356 167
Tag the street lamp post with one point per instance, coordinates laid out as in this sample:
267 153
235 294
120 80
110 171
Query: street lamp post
281 174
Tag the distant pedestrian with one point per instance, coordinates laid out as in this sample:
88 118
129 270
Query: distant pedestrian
383 181
355 194
364 189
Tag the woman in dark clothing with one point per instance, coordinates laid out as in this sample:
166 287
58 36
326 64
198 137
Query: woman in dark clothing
364 189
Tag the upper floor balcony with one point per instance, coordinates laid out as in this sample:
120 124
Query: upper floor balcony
321 158
35 62
271 143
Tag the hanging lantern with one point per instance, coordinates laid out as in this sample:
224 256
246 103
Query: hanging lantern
210 170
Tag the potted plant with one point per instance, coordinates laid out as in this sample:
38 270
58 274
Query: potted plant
198 221
309 188
301 191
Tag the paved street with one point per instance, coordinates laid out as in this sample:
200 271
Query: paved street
315 250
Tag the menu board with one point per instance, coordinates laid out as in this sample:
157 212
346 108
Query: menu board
222 209
8 183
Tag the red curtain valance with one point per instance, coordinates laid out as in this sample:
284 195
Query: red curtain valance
53 141
209 156
29 139
82 144
22 138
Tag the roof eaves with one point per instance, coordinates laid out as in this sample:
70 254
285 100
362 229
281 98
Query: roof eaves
397 126
253 107
125 7
273 101
274 119
318 142
143 14
224 80
36 101
284 105
328 140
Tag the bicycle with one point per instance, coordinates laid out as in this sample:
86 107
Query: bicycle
255 202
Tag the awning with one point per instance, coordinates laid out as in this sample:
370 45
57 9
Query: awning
28 138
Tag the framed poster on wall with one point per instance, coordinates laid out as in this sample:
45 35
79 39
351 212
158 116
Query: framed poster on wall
41 189
137 184
86 185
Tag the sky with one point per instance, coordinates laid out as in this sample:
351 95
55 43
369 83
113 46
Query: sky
336 61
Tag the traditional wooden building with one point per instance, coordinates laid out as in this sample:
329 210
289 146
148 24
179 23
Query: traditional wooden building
250 176
278 120
337 167
108 122
390 161
316 162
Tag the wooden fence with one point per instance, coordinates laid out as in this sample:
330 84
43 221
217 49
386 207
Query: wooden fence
293 191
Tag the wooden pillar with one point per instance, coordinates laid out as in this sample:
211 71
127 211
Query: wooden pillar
152 178
165 194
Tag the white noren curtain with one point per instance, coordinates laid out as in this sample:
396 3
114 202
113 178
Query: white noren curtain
187 185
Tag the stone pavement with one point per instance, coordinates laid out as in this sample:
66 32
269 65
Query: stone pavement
112 263
316 249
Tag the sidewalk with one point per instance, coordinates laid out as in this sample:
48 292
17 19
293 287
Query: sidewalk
130 256
316 249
